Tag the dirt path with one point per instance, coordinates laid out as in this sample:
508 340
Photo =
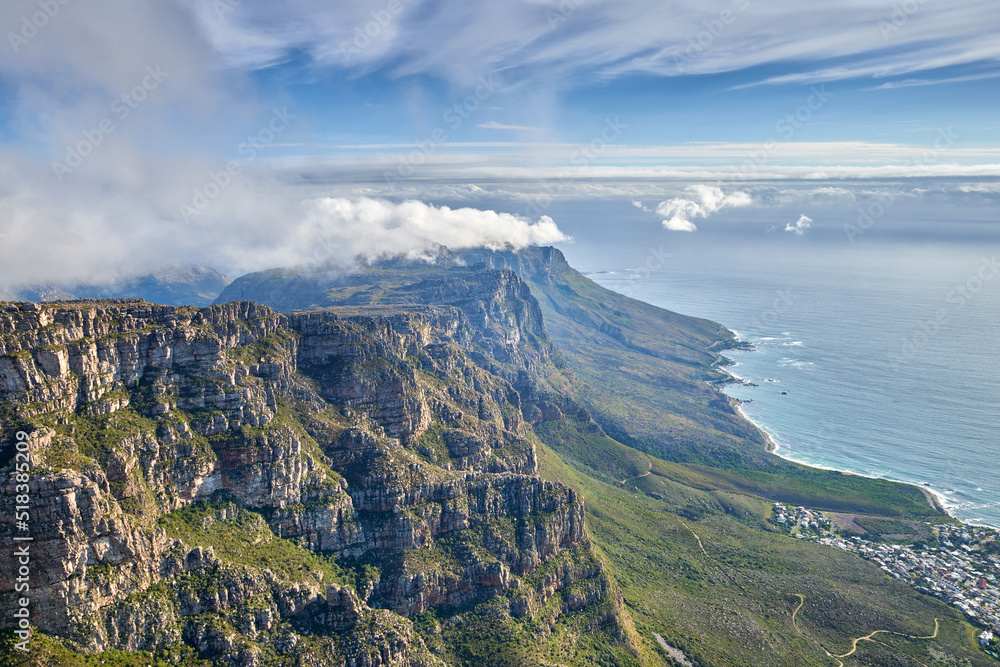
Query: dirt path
700 545
802 601
875 641
795 624
645 474
854 642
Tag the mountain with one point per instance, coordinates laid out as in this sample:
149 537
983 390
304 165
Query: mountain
248 485
661 358
174 286
488 460
649 377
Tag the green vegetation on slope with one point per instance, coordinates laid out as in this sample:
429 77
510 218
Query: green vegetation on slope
49 652
700 566
243 537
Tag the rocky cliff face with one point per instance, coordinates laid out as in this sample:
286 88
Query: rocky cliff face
507 334
238 481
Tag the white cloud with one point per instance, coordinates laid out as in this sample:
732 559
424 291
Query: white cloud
800 226
119 111
981 188
679 211
913 83
769 195
716 162
858 153
679 225
373 228
45 241
120 210
460 40
493 125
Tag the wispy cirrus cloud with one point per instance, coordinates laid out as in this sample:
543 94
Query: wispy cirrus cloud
915 83
493 125
570 43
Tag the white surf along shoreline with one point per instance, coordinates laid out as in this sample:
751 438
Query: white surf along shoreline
776 447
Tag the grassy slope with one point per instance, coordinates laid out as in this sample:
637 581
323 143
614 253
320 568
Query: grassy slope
732 604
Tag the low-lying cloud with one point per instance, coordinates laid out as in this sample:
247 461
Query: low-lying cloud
139 142
678 212
44 242
372 228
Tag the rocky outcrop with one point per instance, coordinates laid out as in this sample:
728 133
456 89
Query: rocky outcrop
523 522
386 435
228 612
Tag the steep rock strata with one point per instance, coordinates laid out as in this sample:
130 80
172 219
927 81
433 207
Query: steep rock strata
392 436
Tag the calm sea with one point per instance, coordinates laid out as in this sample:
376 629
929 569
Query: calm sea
882 360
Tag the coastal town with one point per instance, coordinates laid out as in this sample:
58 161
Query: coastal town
960 564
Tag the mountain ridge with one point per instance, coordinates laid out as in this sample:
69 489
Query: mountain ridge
196 285
425 476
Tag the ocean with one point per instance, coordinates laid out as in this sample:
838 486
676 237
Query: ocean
877 359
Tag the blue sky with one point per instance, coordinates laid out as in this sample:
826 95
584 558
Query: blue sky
242 133
680 71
